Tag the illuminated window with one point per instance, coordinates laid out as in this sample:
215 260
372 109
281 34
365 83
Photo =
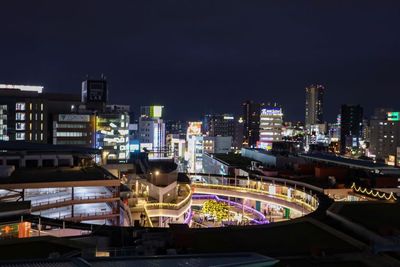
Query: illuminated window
20 136
41 106
19 106
20 126
20 116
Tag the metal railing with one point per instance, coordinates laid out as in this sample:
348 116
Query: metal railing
240 188
173 206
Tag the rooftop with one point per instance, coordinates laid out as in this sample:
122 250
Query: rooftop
233 159
60 174
354 163
31 148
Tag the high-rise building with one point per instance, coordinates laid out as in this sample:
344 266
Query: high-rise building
251 123
237 141
314 104
271 123
219 125
384 134
351 121
152 130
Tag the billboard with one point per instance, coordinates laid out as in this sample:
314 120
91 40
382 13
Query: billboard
156 111
271 111
134 146
393 116
194 128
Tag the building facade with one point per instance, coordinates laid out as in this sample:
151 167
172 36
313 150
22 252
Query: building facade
152 130
251 123
384 134
74 129
271 123
351 121
314 104
219 125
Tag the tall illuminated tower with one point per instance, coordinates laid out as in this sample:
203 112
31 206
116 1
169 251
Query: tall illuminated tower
314 104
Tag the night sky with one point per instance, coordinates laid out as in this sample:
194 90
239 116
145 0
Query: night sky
203 56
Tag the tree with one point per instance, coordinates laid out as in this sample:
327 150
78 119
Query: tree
217 209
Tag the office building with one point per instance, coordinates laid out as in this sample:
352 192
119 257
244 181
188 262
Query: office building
238 137
175 127
384 135
152 130
74 129
219 125
251 123
351 120
26 112
217 144
314 104
271 123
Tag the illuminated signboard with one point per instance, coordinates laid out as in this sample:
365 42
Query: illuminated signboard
134 146
269 111
393 116
156 111
228 118
194 128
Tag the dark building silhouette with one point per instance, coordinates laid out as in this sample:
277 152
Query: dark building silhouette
351 127
314 104
251 123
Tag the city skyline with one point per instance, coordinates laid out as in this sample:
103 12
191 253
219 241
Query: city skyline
265 58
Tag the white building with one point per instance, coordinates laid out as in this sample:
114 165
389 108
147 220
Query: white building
194 153
152 130
271 120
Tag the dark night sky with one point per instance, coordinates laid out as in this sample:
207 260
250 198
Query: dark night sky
202 56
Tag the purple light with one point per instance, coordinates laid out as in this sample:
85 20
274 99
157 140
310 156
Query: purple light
189 217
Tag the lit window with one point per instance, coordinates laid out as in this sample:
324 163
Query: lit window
20 126
20 116
19 106
20 136
41 106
